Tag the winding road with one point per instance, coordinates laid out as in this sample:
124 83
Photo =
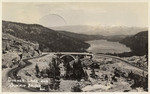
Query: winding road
127 62
12 73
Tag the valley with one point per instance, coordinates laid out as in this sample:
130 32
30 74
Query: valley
32 55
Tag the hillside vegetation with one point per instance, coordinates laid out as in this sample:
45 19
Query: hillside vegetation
82 37
52 41
86 37
48 39
138 43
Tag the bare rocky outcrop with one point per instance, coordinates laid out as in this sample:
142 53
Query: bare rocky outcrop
15 49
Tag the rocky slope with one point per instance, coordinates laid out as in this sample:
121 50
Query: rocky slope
14 49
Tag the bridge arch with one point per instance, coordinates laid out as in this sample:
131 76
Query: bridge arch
68 55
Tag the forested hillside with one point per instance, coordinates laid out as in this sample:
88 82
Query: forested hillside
51 40
48 39
82 37
138 43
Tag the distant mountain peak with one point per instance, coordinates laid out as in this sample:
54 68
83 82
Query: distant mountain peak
101 29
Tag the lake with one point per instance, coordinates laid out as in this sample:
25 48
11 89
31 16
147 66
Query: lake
104 46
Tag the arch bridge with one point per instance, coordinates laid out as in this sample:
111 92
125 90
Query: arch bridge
74 55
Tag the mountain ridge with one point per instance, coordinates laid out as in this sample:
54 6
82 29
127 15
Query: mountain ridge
101 30
55 40
48 39
138 43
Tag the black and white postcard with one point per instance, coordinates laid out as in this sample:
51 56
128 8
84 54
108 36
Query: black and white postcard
74 46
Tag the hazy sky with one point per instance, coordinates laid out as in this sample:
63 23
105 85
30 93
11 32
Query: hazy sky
60 14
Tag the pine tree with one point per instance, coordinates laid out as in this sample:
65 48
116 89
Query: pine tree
54 68
51 70
86 75
37 69
93 73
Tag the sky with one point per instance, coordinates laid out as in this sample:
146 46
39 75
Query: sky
52 14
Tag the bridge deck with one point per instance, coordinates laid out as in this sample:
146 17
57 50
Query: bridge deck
74 53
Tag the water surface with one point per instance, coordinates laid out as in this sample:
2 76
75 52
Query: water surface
104 46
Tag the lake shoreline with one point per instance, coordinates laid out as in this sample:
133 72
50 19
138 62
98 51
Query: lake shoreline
106 46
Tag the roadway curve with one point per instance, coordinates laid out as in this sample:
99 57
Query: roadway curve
118 58
15 70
